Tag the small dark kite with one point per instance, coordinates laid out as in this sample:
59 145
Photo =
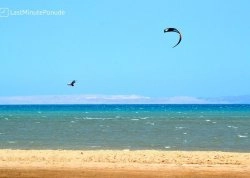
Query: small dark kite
173 30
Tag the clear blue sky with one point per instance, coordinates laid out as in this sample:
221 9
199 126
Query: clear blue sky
118 47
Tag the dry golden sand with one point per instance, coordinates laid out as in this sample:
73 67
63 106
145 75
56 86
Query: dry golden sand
114 163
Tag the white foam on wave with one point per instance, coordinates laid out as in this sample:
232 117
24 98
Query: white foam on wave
11 142
179 128
167 147
242 136
6 118
95 146
234 127
2 133
150 123
144 118
96 118
134 119
208 120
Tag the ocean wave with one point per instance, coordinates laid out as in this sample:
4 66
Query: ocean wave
97 118
179 128
150 123
144 118
234 127
134 119
242 136
11 142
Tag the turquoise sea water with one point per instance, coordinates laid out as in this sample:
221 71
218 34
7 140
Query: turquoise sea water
161 127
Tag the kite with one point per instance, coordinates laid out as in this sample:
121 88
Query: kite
173 30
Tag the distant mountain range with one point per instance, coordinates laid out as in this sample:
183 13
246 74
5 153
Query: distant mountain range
121 99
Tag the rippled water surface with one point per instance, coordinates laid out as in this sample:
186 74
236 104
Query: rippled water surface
162 127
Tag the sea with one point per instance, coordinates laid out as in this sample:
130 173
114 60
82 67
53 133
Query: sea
126 127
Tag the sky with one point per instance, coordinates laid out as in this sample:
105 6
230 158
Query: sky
118 49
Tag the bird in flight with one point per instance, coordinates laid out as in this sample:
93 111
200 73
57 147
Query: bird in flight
173 30
72 83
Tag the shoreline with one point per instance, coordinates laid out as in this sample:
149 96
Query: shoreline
117 163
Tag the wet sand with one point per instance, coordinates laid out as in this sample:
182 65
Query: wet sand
123 163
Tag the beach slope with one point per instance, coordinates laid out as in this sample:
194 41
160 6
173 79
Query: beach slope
123 163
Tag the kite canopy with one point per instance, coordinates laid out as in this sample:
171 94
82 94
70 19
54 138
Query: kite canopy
173 30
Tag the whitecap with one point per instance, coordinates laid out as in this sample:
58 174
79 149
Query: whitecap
242 136
72 121
91 118
214 122
208 120
234 127
150 123
179 128
37 122
134 119
94 146
167 147
11 142
6 118
144 118
185 133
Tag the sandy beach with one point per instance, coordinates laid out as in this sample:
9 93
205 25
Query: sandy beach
123 163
